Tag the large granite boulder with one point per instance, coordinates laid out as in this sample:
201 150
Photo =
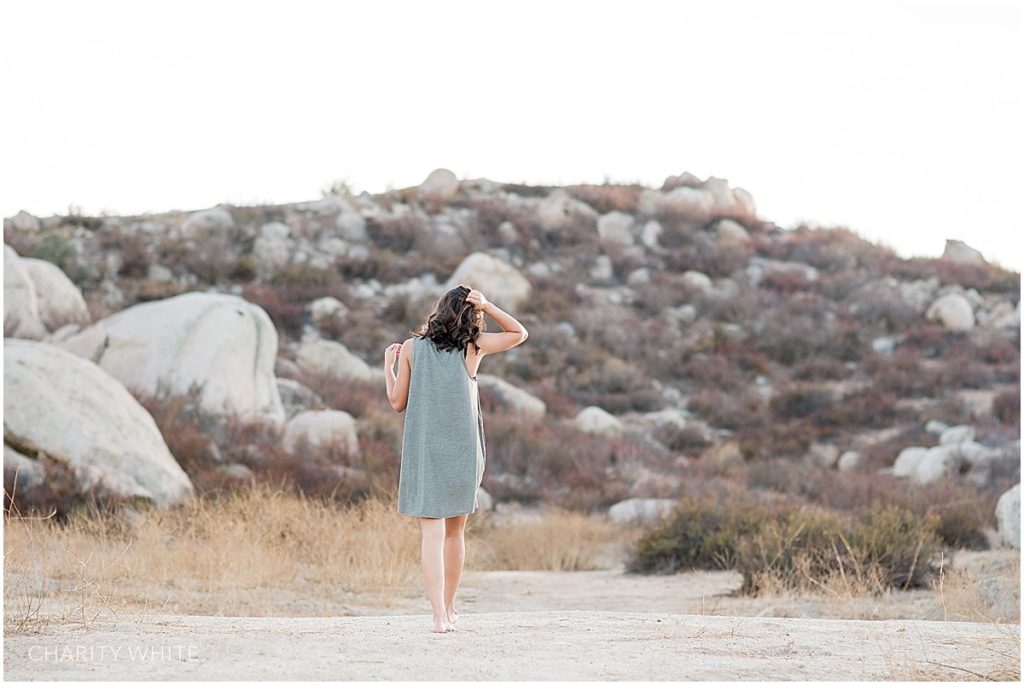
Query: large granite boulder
218 341
62 411
59 300
21 301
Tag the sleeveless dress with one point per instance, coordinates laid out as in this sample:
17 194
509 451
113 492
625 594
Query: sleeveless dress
443 446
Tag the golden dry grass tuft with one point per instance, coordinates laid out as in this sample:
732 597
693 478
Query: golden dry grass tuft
560 541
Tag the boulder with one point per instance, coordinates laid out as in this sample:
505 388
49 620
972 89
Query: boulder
218 341
272 249
21 302
760 267
683 179
296 397
952 310
560 210
935 427
724 200
62 411
938 462
851 461
907 461
640 510
206 223
497 280
59 300
596 420
324 309
691 204
1008 517
822 454
321 429
333 360
350 223
1002 315
441 184
615 227
25 223
730 232
745 201
602 269
515 400
650 233
958 251
696 280
956 434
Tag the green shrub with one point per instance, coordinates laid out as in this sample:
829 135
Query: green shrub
783 546
697 535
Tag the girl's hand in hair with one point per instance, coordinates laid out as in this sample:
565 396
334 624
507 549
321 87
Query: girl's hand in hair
477 299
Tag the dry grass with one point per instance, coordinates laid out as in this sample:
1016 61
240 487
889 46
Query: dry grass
257 551
961 596
207 556
560 541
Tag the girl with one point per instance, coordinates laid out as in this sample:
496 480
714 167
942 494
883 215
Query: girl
443 445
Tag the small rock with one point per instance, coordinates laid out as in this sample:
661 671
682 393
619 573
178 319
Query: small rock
851 461
956 434
953 311
637 511
596 420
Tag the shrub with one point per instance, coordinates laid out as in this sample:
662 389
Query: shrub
961 513
880 548
286 313
717 260
780 545
1006 407
870 408
697 535
55 248
608 197
799 401
397 234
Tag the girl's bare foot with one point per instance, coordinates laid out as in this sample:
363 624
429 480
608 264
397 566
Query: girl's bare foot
453 616
442 625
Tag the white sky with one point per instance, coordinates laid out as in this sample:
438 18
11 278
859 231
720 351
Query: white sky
900 120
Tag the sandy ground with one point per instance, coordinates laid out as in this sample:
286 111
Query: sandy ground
541 645
549 625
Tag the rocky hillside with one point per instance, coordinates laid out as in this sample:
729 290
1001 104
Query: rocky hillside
673 332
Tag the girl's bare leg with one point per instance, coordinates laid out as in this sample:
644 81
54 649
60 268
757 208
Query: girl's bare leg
432 551
454 560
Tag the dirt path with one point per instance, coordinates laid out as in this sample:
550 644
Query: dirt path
541 645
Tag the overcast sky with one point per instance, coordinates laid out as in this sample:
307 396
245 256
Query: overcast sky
899 120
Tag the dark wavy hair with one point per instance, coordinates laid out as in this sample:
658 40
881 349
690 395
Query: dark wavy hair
454 322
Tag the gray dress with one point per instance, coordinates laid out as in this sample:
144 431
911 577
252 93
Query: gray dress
443 445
